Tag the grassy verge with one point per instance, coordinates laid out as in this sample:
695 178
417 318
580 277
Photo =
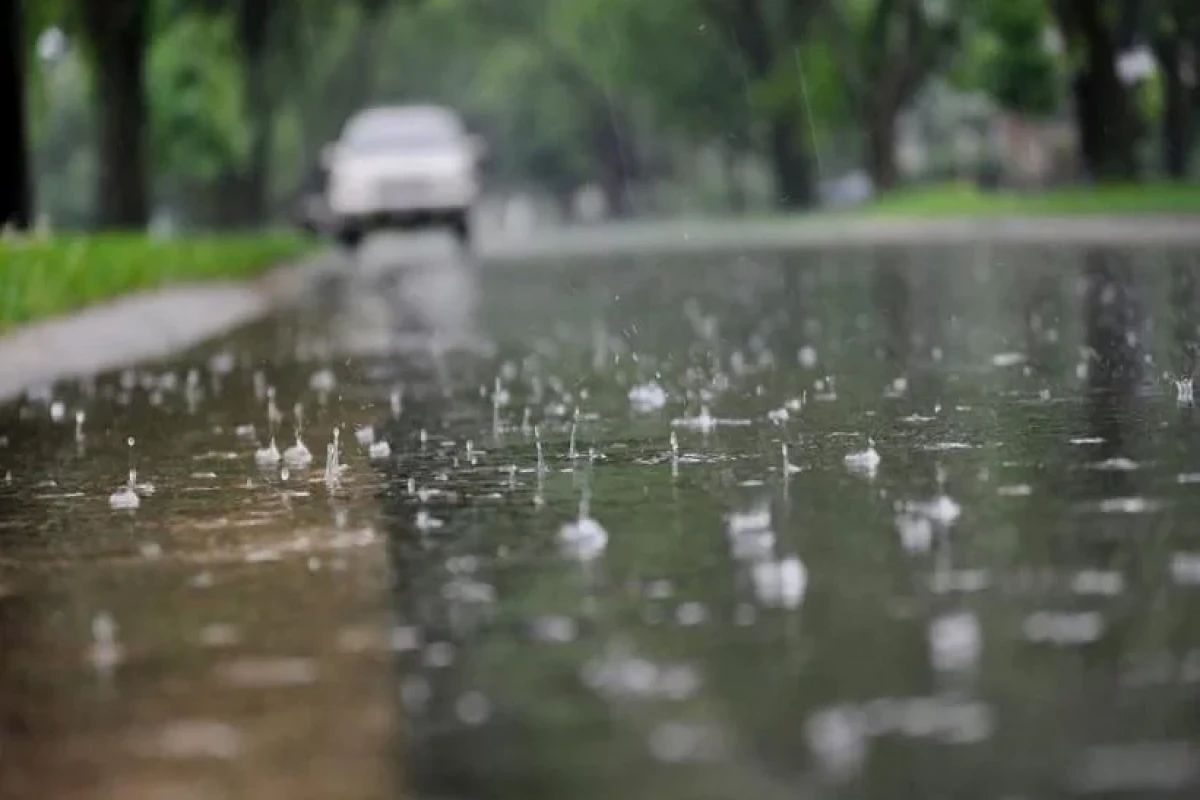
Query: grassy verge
956 200
44 277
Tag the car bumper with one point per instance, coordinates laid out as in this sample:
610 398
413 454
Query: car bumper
400 197
397 218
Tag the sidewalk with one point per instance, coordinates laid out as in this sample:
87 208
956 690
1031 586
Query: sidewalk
144 326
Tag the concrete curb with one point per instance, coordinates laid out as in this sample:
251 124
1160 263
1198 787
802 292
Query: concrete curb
145 326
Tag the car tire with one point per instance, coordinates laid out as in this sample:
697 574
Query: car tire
350 238
460 225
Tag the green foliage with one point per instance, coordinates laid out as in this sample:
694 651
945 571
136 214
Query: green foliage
809 85
328 63
542 79
657 53
966 201
539 130
1014 65
43 277
1149 96
197 110
44 14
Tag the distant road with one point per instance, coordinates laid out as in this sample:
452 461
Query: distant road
113 334
820 232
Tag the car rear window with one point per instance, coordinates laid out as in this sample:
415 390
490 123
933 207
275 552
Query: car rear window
400 130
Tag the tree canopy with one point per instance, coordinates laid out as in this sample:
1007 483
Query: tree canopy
217 109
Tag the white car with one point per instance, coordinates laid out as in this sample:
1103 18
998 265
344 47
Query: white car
401 167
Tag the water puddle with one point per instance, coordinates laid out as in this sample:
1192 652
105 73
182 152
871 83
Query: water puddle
840 522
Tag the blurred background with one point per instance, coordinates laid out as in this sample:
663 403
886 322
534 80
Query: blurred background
211 114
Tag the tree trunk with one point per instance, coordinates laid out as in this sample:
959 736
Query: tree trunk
16 202
614 160
117 32
254 17
1103 110
1177 120
1178 111
881 149
753 32
793 175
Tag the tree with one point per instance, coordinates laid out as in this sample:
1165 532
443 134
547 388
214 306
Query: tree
200 135
227 74
241 189
539 133
888 49
585 127
1175 39
1015 67
117 35
1104 111
328 64
15 195
689 80
254 19
767 36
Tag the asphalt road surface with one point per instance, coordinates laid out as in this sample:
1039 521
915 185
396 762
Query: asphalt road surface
772 519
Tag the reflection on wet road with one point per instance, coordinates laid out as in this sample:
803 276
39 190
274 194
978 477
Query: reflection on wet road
907 523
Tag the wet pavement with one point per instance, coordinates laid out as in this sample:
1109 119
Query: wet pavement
902 522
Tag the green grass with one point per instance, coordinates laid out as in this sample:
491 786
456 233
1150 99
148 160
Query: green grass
46 277
957 200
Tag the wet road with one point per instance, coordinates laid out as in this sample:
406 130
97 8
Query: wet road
892 523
